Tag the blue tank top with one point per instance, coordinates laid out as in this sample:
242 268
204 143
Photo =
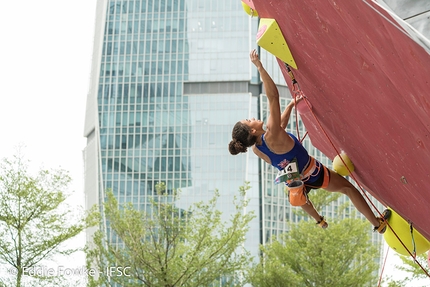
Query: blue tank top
280 161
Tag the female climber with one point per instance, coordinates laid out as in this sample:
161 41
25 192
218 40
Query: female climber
285 152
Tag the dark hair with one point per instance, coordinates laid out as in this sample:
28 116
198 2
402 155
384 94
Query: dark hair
242 139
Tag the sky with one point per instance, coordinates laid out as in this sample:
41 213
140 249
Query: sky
45 57
45 61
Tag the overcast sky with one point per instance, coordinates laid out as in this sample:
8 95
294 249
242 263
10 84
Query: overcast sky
45 57
45 61
45 54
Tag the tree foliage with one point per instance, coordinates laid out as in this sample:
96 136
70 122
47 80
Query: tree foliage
412 268
341 255
35 220
414 272
168 246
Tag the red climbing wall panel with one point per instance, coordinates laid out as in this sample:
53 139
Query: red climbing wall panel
369 85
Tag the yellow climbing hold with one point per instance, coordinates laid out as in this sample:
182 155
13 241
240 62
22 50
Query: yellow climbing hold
403 231
269 37
340 167
250 11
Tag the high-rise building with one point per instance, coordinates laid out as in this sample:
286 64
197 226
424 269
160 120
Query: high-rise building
169 80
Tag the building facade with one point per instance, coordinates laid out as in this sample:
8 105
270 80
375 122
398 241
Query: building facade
169 80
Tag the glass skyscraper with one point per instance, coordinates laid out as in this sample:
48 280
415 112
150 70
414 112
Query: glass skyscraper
169 80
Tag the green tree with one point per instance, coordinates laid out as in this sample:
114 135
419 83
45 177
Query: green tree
412 268
341 255
413 271
168 246
35 221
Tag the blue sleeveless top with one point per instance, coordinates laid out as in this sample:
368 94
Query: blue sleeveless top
280 161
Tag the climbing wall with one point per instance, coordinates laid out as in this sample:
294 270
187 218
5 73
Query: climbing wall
369 86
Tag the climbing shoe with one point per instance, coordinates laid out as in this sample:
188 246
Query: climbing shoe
322 223
383 221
